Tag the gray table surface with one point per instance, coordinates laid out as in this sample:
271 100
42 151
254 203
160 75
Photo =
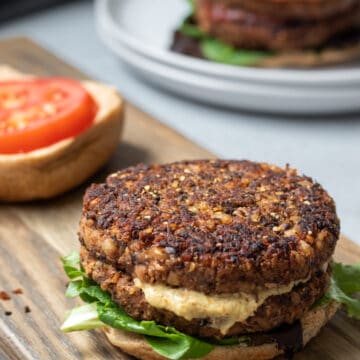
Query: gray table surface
328 148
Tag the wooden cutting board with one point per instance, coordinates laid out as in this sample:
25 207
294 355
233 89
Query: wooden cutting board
34 236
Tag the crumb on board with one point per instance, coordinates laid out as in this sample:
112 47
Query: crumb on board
8 313
4 295
27 309
17 291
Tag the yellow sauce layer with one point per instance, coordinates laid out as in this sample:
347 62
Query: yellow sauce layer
223 310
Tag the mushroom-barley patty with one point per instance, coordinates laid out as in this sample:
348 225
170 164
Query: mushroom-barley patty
276 310
211 226
243 28
293 9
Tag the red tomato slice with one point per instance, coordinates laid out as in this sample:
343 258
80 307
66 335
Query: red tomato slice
36 113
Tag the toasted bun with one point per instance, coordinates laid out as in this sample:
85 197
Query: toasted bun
52 170
309 58
312 323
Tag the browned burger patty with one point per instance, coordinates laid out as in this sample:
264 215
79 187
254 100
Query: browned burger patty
293 9
275 311
244 29
210 226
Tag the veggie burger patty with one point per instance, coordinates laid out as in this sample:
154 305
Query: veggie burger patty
241 27
293 9
213 248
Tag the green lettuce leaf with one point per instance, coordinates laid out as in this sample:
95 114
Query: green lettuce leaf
183 348
218 51
348 277
344 283
82 318
71 261
192 30
100 311
168 341
71 266
192 5
74 289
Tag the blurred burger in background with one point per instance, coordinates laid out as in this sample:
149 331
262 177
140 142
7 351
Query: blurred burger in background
271 33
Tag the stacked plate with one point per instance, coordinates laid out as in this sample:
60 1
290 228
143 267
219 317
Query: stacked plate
140 33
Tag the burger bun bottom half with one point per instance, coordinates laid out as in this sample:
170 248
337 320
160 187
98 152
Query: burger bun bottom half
312 322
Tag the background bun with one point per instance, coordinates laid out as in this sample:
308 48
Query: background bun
52 170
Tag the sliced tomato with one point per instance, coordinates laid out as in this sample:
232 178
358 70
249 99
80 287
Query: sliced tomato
36 113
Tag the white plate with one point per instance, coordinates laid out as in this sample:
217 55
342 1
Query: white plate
140 31
147 27
232 94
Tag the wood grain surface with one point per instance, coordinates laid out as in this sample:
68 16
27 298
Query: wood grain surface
34 236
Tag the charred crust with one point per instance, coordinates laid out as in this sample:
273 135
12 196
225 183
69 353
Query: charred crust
210 225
